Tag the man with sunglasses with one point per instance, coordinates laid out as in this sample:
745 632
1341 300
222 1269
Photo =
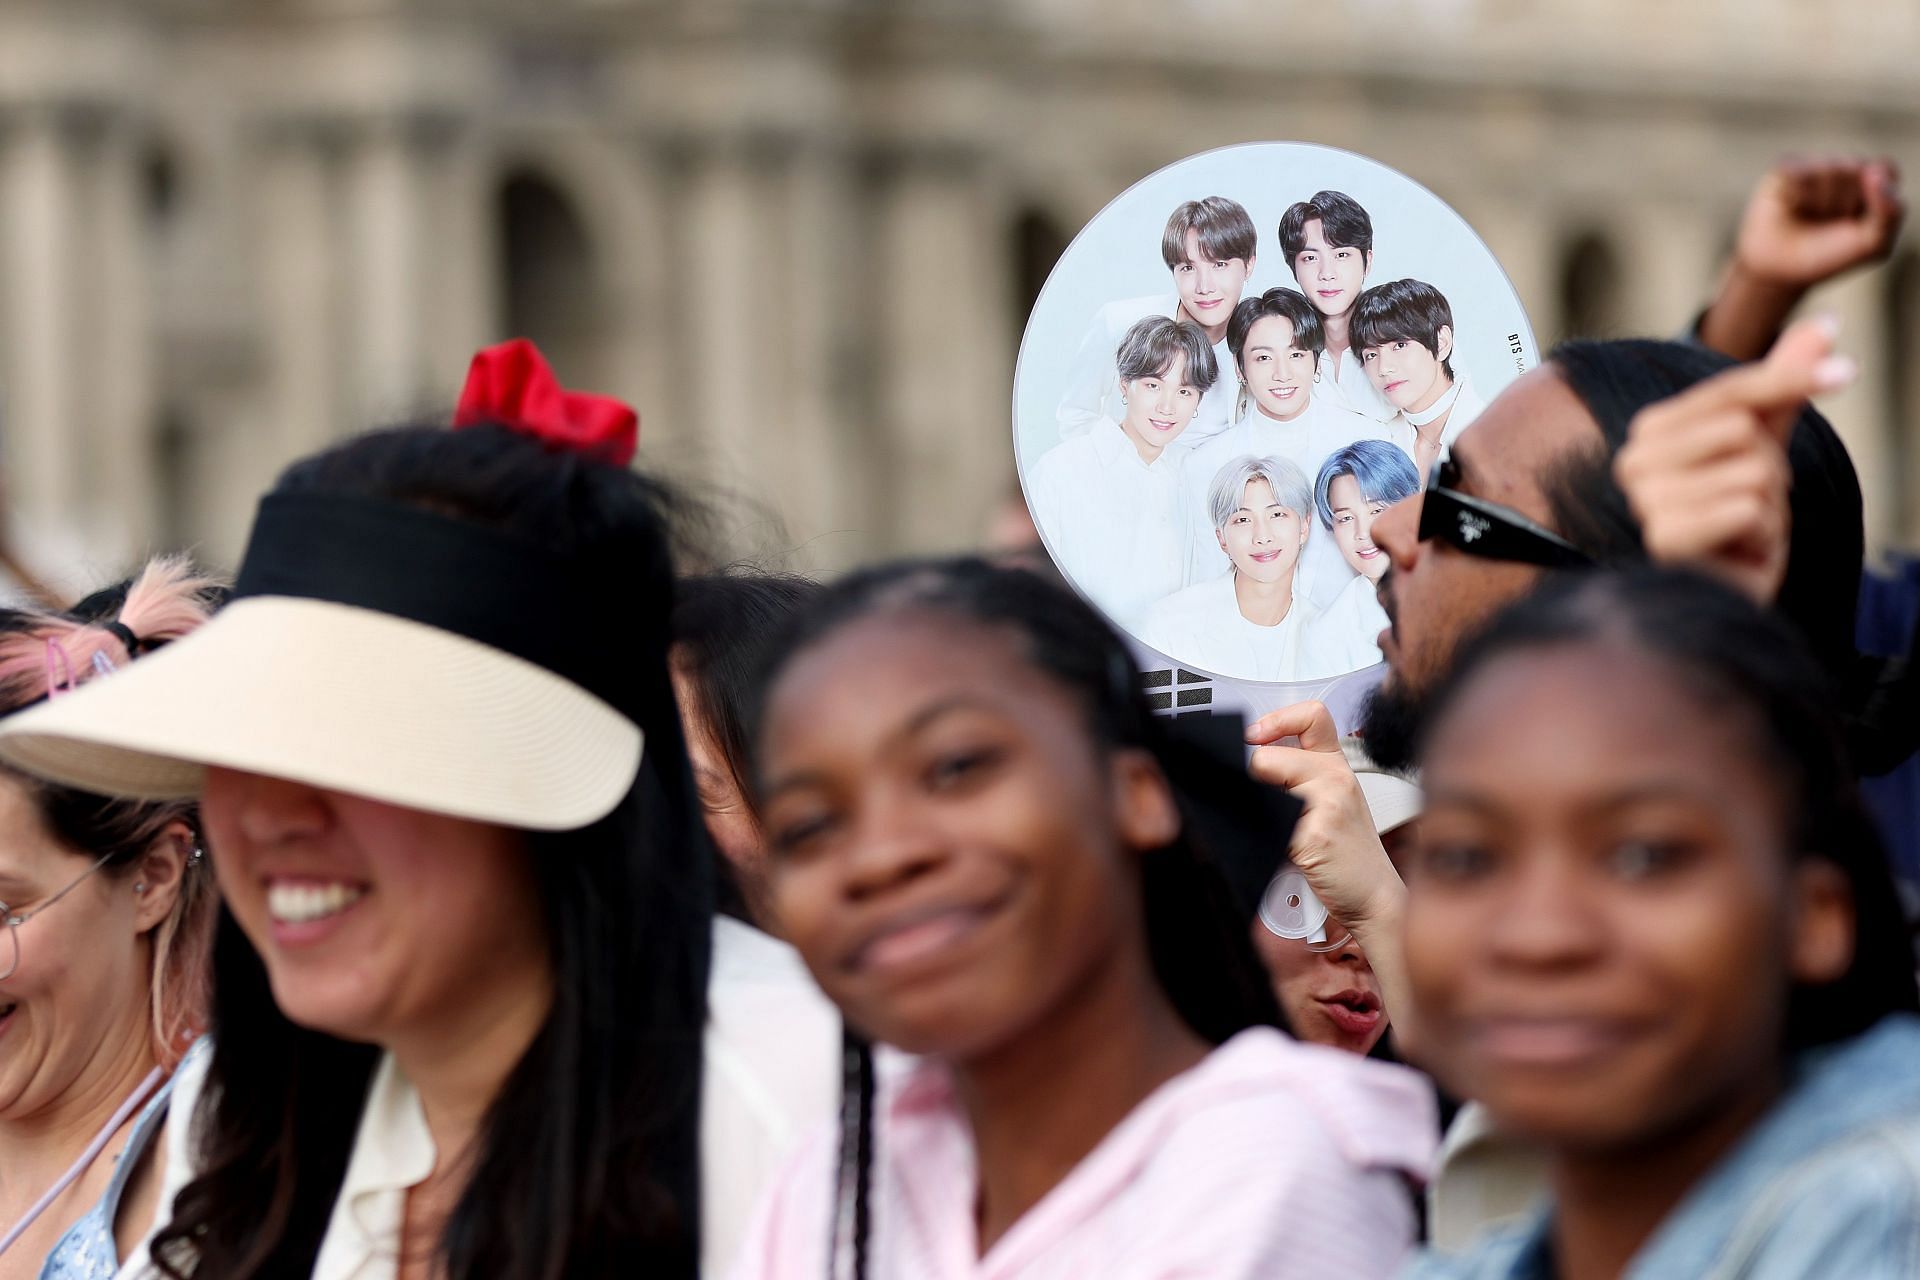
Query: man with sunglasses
1530 489
1539 487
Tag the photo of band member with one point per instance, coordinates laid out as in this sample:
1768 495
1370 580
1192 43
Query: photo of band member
1208 247
1109 501
1217 451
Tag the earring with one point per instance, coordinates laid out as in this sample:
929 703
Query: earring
140 887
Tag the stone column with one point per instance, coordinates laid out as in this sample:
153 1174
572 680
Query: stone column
385 272
825 454
1669 255
714 287
300 276
40 415
943 351
119 353
461 308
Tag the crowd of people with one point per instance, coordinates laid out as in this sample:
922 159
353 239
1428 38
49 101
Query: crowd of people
481 885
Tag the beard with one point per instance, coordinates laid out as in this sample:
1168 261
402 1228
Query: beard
1390 720
1390 724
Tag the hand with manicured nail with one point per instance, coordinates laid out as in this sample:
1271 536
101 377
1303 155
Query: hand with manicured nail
1334 842
1706 471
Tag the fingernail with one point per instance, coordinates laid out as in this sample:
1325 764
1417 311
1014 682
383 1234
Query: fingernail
1829 322
1835 372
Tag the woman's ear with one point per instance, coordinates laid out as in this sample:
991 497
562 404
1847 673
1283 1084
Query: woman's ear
1820 945
1144 808
159 874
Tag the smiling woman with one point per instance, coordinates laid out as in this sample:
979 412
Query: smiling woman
1651 930
978 849
459 984
105 915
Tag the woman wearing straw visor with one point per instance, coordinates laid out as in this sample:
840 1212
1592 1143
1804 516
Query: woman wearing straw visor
459 976
105 916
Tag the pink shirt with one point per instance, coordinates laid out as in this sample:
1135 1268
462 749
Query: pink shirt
1270 1159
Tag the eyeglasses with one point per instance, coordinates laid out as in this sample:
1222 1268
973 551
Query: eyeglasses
1487 529
10 945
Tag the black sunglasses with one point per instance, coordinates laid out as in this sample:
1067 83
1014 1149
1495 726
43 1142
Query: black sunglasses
1487 529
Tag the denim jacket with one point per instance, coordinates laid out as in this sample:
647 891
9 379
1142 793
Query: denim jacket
1826 1184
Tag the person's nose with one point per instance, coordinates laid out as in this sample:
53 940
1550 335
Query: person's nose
1396 531
894 844
1327 272
1549 921
1206 282
1163 400
263 811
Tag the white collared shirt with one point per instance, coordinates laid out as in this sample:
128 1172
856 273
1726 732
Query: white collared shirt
1348 386
1093 382
1203 627
770 1076
1111 520
1346 635
1321 429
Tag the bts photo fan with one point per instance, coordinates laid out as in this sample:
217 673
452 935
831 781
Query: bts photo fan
1236 366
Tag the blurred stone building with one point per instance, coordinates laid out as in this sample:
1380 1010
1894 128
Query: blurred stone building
803 234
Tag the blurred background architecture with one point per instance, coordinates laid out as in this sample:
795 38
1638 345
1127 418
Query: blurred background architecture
803 234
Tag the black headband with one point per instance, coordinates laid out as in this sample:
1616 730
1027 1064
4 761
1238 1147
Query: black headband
486 584
123 633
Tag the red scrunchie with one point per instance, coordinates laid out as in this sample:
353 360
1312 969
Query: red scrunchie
512 384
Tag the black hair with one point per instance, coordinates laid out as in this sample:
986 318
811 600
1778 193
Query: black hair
1309 331
723 627
1750 669
586 1162
1879 698
1226 232
1343 223
1403 311
1198 931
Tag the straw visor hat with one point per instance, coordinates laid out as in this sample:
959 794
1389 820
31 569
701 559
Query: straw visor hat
377 649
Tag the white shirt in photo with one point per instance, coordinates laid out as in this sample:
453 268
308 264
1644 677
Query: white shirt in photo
1202 626
1347 385
770 1076
1462 404
1093 382
1347 632
1111 521
1321 429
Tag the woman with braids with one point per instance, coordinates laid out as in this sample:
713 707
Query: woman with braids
1651 930
979 846
105 917
459 978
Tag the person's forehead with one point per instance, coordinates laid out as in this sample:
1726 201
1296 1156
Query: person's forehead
1508 452
1271 331
1313 234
